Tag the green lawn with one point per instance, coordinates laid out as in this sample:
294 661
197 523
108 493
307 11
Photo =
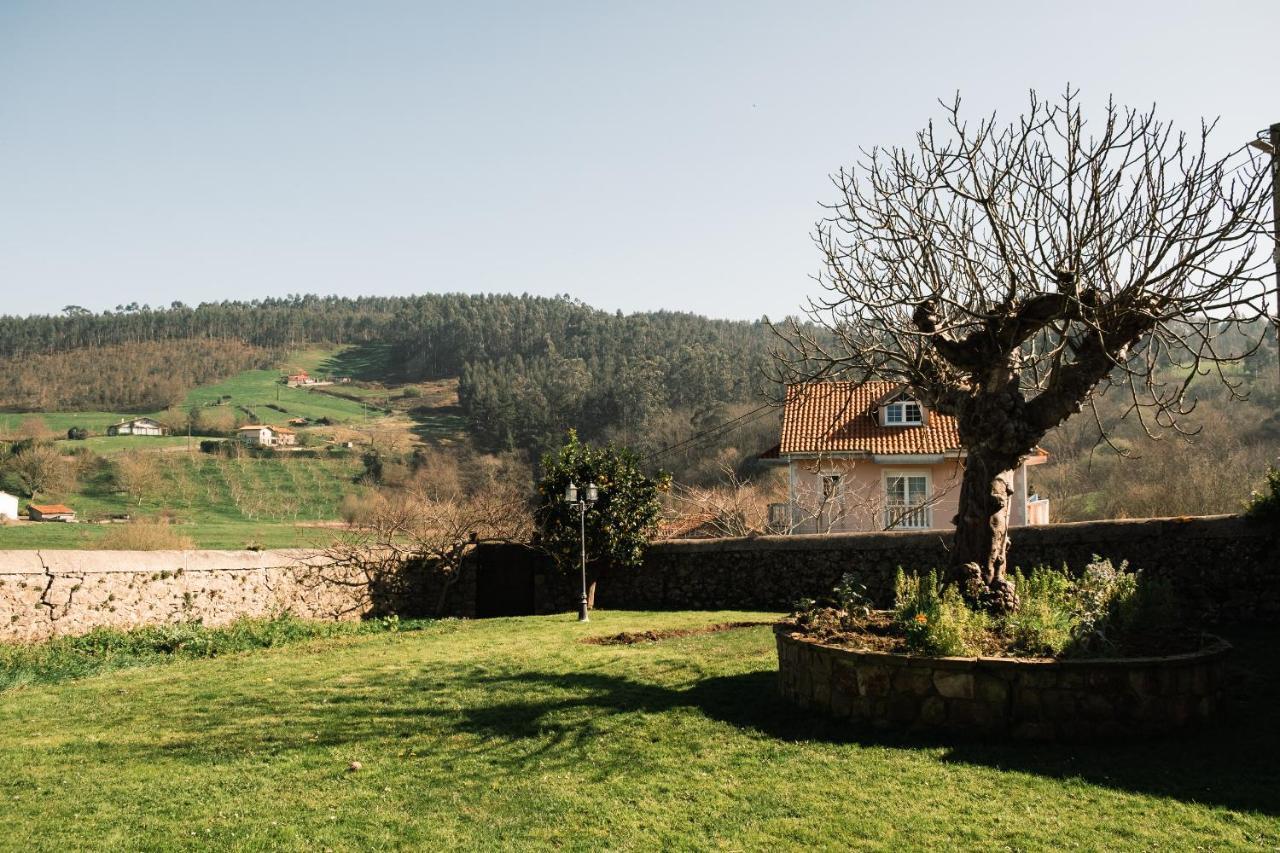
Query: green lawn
254 389
222 502
510 734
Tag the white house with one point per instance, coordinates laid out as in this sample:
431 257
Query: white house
137 426
868 456
263 435
8 507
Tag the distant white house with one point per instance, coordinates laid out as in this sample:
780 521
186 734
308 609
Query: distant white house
8 507
263 435
137 426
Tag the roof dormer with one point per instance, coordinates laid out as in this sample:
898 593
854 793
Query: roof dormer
902 410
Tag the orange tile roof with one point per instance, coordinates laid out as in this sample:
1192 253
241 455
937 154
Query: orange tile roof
51 509
843 417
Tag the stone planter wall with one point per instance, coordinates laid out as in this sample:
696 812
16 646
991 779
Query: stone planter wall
1008 697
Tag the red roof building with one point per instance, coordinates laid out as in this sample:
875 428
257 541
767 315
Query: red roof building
870 456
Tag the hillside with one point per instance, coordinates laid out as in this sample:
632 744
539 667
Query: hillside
528 368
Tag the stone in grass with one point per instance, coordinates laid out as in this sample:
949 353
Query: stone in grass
354 767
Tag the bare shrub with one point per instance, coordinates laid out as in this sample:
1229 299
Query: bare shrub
145 535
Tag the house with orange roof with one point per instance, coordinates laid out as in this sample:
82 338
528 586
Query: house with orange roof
869 456
50 512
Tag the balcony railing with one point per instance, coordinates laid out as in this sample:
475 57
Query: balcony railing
1037 511
907 517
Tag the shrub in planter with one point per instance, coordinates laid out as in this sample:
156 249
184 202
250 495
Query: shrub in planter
1106 612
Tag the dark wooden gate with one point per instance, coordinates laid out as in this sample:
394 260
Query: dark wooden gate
505 581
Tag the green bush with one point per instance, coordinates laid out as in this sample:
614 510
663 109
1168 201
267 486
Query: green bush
935 620
1043 623
1265 506
104 649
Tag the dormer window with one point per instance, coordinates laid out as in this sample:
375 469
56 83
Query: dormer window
903 413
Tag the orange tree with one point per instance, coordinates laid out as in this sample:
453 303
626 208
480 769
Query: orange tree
618 525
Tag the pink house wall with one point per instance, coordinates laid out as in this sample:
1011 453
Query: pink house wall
862 507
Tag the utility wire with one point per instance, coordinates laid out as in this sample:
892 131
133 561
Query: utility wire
728 425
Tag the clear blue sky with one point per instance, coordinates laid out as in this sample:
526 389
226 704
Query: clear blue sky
637 156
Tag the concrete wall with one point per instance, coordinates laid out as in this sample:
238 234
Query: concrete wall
51 593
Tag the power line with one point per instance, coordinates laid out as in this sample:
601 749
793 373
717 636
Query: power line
727 425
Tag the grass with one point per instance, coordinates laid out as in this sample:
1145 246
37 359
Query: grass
107 650
111 445
221 502
253 389
512 734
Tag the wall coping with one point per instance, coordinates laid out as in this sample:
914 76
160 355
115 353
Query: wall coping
1203 526
63 562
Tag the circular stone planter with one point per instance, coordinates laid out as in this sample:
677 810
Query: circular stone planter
1011 697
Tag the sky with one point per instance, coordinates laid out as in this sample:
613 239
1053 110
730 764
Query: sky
635 156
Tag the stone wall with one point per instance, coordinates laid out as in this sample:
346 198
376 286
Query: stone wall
52 593
1225 566
1025 699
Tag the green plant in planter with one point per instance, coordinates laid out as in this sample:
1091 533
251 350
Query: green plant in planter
935 620
1043 623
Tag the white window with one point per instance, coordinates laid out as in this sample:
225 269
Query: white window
906 501
903 413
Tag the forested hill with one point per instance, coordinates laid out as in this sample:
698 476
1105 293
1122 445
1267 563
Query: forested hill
529 366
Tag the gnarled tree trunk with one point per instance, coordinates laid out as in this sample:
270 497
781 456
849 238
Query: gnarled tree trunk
980 549
997 437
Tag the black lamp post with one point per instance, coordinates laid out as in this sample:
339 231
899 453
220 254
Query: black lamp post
590 495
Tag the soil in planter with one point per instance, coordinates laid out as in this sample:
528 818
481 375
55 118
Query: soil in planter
879 633
629 638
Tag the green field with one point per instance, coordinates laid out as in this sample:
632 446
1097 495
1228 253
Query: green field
254 389
511 734
220 502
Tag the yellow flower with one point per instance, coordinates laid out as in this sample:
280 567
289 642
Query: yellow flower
921 618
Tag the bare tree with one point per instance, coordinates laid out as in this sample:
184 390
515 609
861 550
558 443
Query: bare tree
137 474
420 523
1009 274
41 469
734 507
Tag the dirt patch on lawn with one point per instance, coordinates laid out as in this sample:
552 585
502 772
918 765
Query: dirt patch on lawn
630 638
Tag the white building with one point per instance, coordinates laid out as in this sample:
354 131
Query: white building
8 507
137 426
262 435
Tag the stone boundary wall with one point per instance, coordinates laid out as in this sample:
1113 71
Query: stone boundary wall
52 593
1020 698
1227 567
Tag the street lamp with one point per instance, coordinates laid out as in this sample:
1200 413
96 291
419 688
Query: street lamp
589 497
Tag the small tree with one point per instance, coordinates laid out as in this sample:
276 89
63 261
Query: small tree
40 468
418 524
1010 274
137 474
618 525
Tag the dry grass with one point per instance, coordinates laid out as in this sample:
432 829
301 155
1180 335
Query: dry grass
146 535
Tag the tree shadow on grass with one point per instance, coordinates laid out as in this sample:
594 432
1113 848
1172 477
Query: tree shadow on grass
556 717
1235 763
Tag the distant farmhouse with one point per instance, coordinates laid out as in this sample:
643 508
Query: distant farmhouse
262 435
137 426
50 512
870 456
8 507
